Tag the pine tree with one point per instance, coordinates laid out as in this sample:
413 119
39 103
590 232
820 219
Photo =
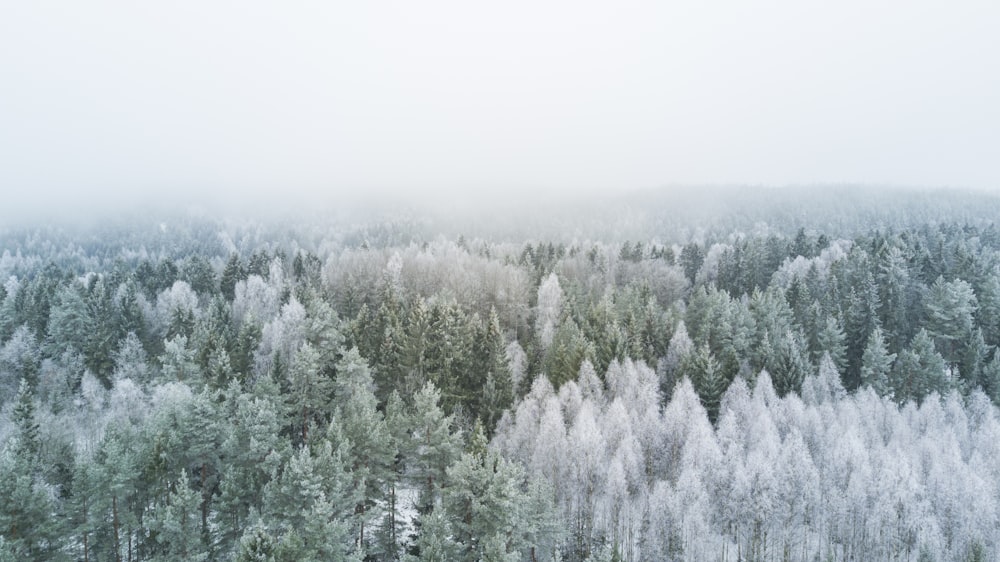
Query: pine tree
247 340
309 391
29 439
860 322
703 371
691 258
677 351
788 364
832 340
388 358
253 450
256 545
176 524
83 503
949 308
434 543
990 379
388 537
118 472
370 450
308 501
483 499
178 362
20 359
414 349
231 274
920 370
498 389
68 322
435 445
876 364
972 359
27 504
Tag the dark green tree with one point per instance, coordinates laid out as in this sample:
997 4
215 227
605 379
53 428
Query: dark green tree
876 364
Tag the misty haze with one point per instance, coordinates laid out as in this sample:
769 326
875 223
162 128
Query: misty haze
539 282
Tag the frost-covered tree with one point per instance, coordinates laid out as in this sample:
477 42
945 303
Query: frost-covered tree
548 310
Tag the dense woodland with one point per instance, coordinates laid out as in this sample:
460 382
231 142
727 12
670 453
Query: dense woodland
658 385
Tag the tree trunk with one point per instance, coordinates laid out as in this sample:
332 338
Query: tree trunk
86 541
392 515
305 425
204 498
114 525
361 532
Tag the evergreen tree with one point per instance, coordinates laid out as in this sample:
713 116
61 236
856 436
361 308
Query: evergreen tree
389 535
483 499
788 363
309 391
256 545
413 356
919 370
972 360
990 379
832 340
253 450
691 258
83 503
118 470
949 308
876 364
28 431
69 321
28 526
176 524
703 371
388 350
20 359
435 444
244 348
861 321
497 392
307 504
434 543
232 274
178 362
370 450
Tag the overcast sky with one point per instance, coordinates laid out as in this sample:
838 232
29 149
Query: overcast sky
278 100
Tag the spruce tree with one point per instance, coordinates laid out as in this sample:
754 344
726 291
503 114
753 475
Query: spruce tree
28 430
876 364
706 376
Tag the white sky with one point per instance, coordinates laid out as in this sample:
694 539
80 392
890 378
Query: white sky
271 100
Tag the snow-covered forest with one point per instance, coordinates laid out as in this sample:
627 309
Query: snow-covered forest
814 377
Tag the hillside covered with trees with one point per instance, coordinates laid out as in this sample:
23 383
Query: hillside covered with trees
814 378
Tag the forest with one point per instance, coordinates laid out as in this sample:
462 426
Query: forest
797 376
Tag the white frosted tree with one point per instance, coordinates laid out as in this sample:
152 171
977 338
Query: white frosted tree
19 359
678 349
255 298
131 361
517 363
587 468
591 387
179 299
548 310
282 337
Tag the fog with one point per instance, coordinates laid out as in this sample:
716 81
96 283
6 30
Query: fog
284 104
